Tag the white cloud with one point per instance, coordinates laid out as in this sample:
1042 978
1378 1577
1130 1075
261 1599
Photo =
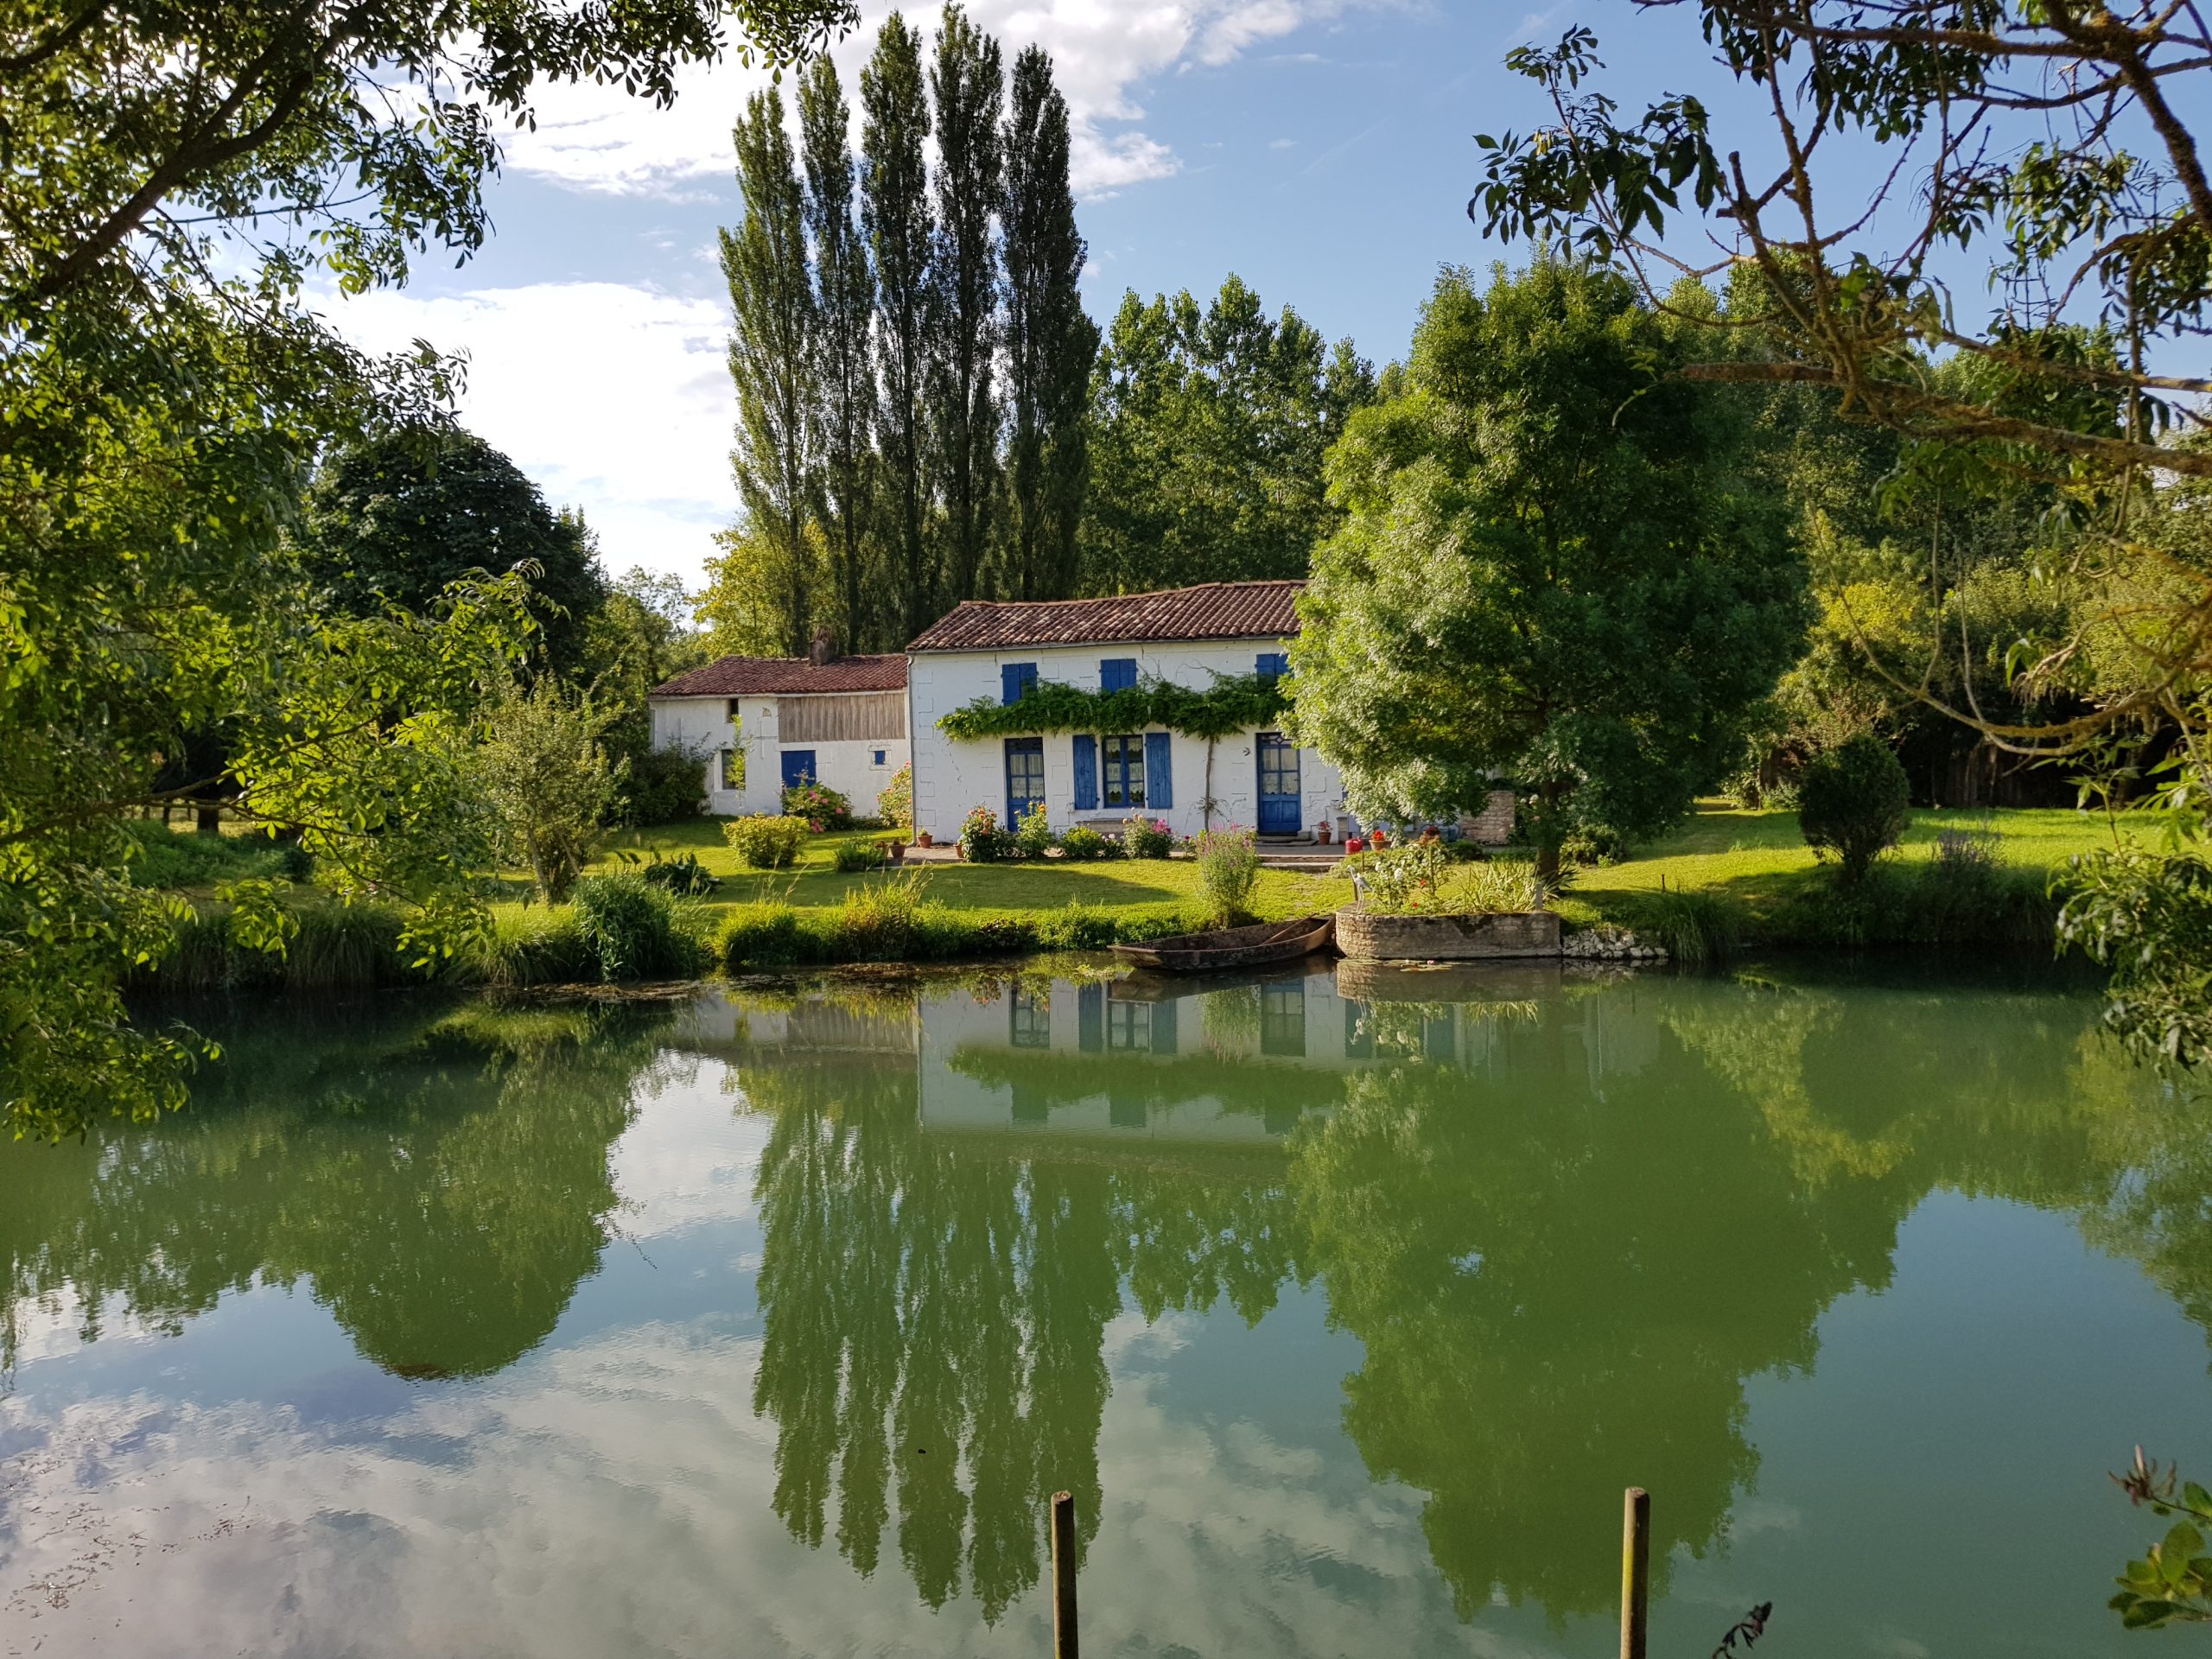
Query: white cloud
596 137
613 398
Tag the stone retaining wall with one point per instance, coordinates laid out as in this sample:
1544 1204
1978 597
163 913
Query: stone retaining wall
1493 825
1365 937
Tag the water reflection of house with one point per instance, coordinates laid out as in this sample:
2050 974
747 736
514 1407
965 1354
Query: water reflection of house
1221 1062
1240 1061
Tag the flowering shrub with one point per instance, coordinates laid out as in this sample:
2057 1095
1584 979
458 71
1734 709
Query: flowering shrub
895 806
981 840
1083 843
1402 881
822 807
764 843
1035 838
1147 838
1229 868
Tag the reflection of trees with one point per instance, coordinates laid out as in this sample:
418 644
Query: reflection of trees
935 1317
1561 1293
440 1182
1568 1237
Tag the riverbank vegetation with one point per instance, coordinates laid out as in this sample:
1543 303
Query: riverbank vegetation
1733 880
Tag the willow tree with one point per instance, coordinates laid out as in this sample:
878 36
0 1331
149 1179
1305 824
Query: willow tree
1549 571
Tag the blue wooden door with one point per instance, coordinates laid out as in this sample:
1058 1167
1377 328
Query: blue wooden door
798 766
1278 808
1025 779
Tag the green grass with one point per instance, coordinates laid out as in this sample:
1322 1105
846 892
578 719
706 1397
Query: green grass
1757 864
1027 892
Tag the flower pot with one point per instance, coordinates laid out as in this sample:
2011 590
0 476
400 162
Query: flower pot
1321 834
897 849
1355 843
1378 841
925 839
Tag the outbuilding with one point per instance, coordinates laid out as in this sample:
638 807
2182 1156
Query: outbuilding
758 724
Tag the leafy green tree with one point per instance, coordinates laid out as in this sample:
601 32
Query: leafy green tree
1049 342
172 178
844 379
640 637
896 219
546 780
967 91
772 359
2092 240
391 521
1851 805
1550 572
1209 427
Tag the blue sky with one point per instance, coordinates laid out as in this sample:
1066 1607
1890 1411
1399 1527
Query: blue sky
1322 149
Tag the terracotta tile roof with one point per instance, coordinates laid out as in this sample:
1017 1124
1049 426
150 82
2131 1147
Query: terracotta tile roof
786 676
1213 610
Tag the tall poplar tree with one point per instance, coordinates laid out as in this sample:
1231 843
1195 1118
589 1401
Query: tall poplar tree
895 218
967 88
1049 342
844 376
772 359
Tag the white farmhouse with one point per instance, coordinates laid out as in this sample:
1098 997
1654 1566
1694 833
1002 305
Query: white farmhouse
1188 636
758 723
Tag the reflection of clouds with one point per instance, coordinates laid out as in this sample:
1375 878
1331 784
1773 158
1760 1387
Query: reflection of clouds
613 1498
688 1158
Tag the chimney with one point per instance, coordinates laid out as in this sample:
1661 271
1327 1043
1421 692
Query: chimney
823 648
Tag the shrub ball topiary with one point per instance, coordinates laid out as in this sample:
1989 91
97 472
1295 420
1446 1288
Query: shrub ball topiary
1851 805
764 843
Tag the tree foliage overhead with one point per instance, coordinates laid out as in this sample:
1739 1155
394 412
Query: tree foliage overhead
172 178
1551 570
1209 427
2013 133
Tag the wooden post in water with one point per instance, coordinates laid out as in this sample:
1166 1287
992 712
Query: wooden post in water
1063 1575
1636 1571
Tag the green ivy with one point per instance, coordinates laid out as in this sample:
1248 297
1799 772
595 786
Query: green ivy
1238 702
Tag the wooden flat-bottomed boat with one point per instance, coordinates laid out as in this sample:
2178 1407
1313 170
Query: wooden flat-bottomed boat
1233 947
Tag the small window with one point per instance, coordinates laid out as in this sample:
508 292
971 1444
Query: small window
1273 664
1118 674
1128 1027
878 757
1121 771
729 771
1031 1021
1014 678
732 711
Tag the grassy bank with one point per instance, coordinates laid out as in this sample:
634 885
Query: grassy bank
1734 879
1730 880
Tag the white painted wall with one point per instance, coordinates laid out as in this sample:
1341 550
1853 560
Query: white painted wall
702 725
951 777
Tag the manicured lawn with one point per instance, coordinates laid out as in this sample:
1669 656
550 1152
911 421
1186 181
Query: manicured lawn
1757 861
1761 859
1026 891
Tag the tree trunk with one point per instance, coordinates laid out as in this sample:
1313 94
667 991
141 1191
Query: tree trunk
210 815
1206 806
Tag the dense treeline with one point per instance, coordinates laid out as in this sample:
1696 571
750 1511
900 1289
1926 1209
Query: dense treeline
924 413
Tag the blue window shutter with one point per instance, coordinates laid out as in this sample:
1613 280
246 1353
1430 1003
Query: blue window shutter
1086 773
1014 678
1159 786
1090 1018
1273 664
1163 1026
1118 674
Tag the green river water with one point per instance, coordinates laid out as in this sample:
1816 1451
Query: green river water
767 1322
